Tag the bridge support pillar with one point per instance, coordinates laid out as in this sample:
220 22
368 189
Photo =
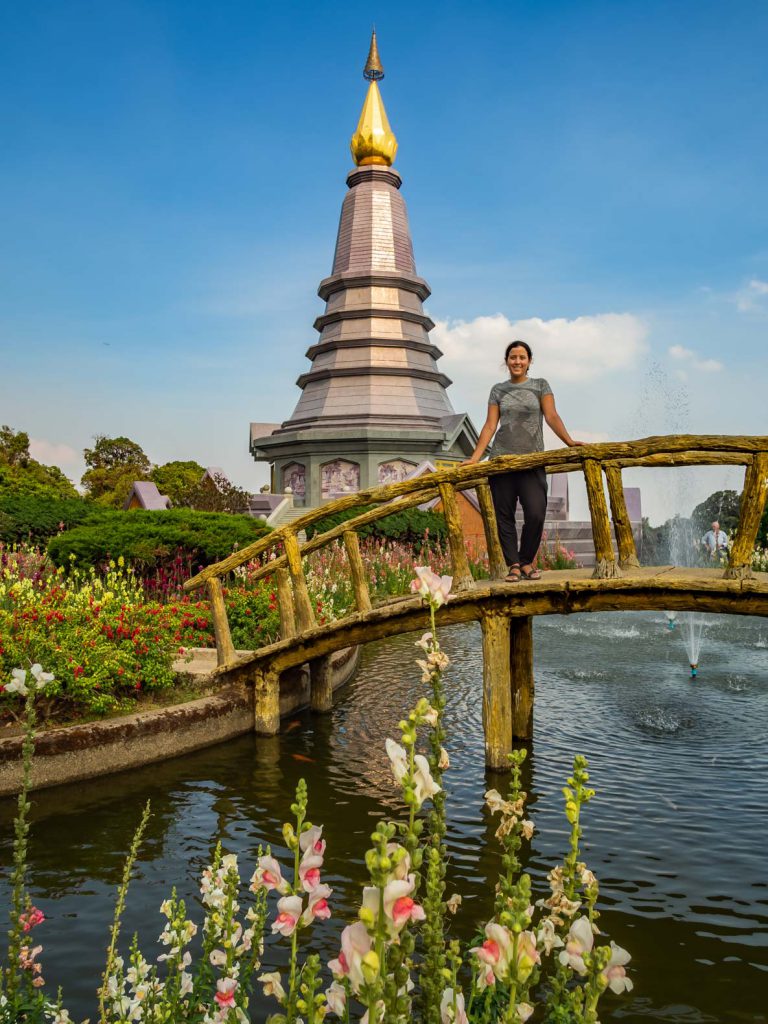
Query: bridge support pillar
521 676
321 684
497 692
266 702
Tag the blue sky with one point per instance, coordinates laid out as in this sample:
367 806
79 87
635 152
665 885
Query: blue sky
171 177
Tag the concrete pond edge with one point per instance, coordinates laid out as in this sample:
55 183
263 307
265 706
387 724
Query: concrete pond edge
92 749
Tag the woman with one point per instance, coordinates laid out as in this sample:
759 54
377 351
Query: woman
517 407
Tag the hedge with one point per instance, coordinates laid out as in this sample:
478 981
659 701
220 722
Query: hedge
410 526
149 539
32 518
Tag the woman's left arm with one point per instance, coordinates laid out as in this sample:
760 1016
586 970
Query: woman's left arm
555 423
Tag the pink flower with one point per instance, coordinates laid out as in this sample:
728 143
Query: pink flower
498 951
309 870
433 588
288 914
355 944
318 905
399 906
268 876
225 994
311 841
30 918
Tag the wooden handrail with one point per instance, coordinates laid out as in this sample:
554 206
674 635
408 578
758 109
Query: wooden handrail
674 450
296 611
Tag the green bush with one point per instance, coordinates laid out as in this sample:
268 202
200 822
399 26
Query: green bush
33 518
409 527
150 539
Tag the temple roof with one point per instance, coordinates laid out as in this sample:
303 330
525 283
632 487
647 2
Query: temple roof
374 141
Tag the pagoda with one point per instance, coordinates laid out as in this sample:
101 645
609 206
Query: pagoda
373 403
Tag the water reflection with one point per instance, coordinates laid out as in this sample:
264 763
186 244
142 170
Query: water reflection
676 835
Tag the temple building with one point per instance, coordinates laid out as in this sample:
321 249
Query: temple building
373 403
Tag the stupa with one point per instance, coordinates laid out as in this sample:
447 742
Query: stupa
374 403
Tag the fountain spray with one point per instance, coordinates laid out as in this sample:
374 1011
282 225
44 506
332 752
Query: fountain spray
671 620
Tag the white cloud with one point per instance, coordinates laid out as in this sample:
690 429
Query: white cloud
582 349
688 356
752 297
52 454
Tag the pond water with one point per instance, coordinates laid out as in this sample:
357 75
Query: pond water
677 834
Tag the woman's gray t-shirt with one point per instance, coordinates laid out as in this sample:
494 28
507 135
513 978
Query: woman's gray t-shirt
520 417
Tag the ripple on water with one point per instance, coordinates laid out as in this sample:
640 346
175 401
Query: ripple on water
676 832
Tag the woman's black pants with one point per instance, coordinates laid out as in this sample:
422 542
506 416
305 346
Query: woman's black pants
529 487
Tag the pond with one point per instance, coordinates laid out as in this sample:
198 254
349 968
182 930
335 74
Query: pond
677 833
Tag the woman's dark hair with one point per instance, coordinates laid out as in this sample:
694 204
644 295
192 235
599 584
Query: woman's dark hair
518 344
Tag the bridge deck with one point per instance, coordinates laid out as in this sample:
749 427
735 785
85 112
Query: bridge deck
558 592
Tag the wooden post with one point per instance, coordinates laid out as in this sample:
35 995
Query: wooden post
462 577
285 604
605 563
225 649
496 561
621 525
497 692
750 513
521 674
359 583
305 618
321 684
266 702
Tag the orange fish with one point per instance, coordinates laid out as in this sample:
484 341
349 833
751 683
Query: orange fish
292 725
303 757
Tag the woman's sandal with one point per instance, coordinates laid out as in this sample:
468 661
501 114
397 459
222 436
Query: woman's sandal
531 574
514 573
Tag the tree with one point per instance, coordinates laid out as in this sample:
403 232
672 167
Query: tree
115 463
217 495
14 446
177 479
722 506
21 474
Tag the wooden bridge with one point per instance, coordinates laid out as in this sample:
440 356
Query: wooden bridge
505 610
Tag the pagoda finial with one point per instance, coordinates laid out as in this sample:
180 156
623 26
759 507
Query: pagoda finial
373 70
374 141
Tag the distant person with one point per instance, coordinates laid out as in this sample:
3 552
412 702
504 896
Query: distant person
517 407
715 542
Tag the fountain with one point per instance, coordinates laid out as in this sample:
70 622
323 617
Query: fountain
692 630
671 620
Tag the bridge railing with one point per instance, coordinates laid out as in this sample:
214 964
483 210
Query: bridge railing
283 552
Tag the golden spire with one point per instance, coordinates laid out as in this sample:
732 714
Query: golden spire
374 141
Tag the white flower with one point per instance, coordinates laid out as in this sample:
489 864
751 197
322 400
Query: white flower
273 985
41 678
579 941
614 973
453 904
422 778
18 682
547 937
336 996
523 1011
452 1009
435 589
425 643
398 758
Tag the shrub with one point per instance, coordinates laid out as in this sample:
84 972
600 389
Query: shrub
409 526
35 518
151 539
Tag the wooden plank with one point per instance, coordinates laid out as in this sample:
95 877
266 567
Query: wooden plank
621 524
496 561
521 676
497 692
463 475
321 684
266 701
285 604
357 572
302 603
750 513
462 576
225 649
605 563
